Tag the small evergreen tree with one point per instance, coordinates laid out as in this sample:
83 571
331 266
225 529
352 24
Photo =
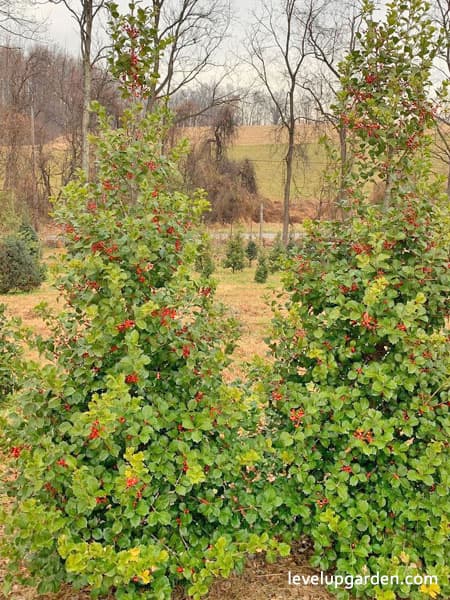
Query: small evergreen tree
204 261
19 270
251 251
9 213
235 254
292 245
277 253
29 236
262 269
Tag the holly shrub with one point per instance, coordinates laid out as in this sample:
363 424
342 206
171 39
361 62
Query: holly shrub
357 399
123 443
19 269
384 107
359 396
10 355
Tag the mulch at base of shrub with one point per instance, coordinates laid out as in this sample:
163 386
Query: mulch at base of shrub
259 581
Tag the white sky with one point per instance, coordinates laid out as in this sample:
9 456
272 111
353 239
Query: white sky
61 28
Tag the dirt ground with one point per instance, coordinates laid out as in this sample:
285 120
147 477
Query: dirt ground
259 581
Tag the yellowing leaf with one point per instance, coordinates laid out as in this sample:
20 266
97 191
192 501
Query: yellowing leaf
404 557
432 590
374 291
249 458
420 298
134 554
195 474
385 595
145 576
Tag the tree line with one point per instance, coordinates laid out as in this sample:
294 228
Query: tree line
290 62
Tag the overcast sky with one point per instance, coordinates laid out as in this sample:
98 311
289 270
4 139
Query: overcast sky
62 31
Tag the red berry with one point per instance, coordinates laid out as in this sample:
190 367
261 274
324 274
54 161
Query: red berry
132 481
16 451
127 324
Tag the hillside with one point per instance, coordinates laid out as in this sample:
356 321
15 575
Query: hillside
265 147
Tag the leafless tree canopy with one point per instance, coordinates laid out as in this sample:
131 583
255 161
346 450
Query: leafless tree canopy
441 13
196 29
41 105
293 49
279 53
84 12
16 18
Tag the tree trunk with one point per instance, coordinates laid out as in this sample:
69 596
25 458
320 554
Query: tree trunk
289 159
85 117
389 183
342 193
152 101
86 42
448 181
36 207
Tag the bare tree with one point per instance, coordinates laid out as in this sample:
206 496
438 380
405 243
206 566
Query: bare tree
15 18
198 105
174 42
230 184
84 14
40 119
441 10
17 114
332 35
278 52
197 29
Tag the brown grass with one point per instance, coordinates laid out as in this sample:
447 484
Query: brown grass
253 135
22 305
248 303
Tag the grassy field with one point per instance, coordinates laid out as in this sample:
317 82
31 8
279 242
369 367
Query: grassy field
265 146
247 301
267 159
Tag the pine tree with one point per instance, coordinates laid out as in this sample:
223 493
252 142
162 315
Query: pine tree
251 251
204 261
277 253
262 270
235 254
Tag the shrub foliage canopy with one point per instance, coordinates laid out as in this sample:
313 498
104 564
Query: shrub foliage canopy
128 467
